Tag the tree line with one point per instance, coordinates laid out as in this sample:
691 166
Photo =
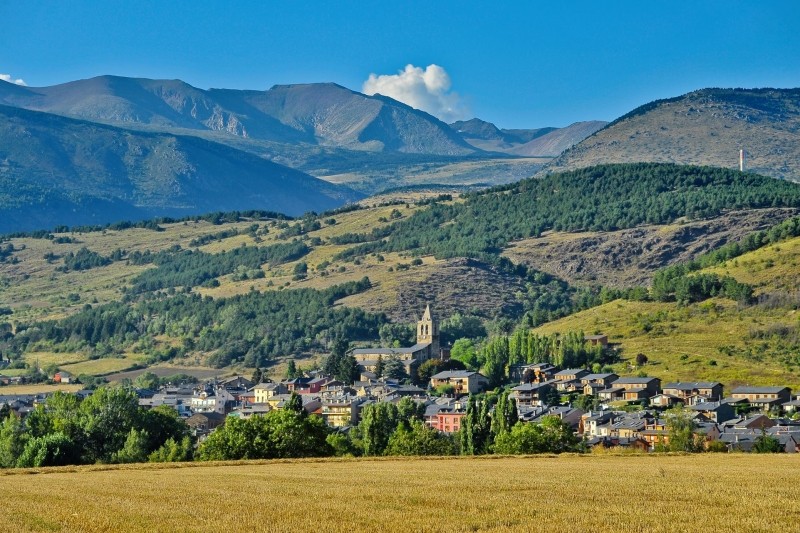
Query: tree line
190 268
106 427
251 328
599 198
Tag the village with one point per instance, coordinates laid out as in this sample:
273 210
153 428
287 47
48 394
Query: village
602 409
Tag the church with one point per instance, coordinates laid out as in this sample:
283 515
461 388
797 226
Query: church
427 347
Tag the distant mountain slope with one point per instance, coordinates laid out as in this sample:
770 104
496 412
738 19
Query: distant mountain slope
705 127
555 142
541 142
323 114
56 170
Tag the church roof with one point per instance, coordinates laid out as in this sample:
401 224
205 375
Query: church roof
392 351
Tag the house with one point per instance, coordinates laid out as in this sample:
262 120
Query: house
448 419
710 390
249 411
665 400
597 340
649 386
612 394
763 397
594 383
263 391
569 415
463 381
340 412
205 423
569 380
219 401
530 393
179 403
627 427
601 379
745 440
535 372
598 424
715 411
236 383
63 377
754 422
427 347
311 403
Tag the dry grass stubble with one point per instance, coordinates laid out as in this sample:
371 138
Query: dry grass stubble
591 493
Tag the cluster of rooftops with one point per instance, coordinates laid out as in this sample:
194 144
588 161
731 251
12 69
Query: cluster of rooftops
736 419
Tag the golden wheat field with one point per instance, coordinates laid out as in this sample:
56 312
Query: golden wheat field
560 493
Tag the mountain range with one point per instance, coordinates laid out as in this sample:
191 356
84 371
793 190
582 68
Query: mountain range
323 114
97 150
110 147
541 142
56 170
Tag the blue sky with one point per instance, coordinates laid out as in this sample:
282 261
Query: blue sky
522 64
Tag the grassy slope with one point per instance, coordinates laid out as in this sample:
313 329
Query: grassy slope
707 331
36 290
465 494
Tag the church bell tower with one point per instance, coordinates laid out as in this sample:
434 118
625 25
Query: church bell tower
428 332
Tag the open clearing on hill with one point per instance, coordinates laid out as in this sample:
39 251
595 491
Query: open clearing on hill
708 341
576 493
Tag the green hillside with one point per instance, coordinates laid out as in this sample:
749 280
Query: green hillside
248 289
717 339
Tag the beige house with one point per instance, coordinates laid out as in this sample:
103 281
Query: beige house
463 381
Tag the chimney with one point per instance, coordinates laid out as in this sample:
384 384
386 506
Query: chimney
742 156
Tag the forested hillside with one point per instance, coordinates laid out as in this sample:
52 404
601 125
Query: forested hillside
603 198
253 288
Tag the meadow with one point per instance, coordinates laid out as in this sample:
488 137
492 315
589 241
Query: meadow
543 493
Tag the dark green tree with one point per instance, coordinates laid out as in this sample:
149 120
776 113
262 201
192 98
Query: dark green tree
419 439
378 422
12 441
475 433
766 443
54 449
551 435
395 369
348 370
291 369
505 414
295 405
173 451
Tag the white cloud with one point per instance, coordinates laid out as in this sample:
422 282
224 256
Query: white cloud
426 89
9 79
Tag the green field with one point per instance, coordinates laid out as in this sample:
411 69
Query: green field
547 493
